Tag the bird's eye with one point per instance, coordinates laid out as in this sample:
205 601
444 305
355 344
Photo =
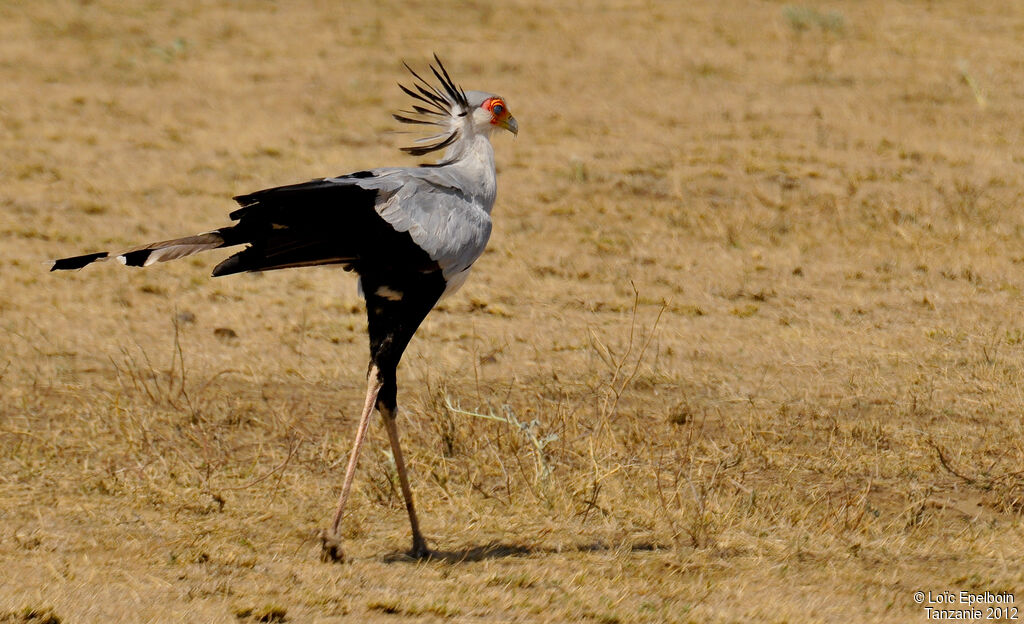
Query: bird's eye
497 109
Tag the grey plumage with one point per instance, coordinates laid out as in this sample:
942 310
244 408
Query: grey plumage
433 206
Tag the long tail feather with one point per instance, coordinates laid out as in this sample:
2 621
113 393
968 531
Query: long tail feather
148 254
77 262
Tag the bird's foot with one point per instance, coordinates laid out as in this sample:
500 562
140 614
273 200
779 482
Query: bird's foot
330 548
419 549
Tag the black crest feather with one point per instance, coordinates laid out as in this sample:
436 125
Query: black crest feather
436 106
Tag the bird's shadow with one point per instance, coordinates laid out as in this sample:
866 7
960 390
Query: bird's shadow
491 550
499 550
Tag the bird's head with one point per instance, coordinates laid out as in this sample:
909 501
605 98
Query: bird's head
447 107
490 111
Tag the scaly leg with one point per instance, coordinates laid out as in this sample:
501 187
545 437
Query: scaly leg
419 545
331 541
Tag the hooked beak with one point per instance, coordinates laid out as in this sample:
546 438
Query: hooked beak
510 124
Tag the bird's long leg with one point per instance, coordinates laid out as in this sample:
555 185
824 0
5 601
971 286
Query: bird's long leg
331 541
419 545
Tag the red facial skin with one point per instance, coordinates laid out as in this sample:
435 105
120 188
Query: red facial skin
497 116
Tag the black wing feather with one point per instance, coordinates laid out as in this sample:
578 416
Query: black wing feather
318 222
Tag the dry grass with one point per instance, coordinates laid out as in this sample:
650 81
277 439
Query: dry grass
809 407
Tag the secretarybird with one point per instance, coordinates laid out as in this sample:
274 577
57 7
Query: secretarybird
411 234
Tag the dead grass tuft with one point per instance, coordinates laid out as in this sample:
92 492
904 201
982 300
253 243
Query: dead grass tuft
263 614
30 615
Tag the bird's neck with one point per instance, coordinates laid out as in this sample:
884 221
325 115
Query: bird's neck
472 157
